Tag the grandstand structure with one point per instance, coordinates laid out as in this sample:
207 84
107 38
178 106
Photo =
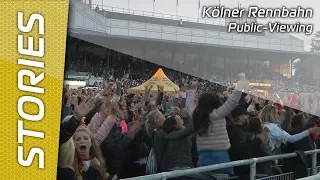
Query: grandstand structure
197 46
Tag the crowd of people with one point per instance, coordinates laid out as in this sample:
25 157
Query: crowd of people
137 71
108 133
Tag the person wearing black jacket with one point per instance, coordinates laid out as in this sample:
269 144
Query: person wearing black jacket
68 128
299 123
238 140
115 146
113 149
136 152
177 153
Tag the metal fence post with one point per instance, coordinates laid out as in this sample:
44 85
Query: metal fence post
314 169
253 170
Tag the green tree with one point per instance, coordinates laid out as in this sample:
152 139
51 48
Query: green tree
315 43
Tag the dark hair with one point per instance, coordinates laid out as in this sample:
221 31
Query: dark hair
257 106
130 116
296 122
130 96
206 104
254 125
169 124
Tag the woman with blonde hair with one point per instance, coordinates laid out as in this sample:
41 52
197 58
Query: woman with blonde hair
66 159
156 134
154 122
174 111
270 117
88 159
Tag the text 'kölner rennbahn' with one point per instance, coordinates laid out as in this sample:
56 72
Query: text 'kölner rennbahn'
256 12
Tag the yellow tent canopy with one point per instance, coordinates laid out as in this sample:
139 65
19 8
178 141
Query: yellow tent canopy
159 78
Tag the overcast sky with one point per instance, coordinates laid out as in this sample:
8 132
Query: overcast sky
189 8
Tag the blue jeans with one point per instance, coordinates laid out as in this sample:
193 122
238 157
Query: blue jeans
215 157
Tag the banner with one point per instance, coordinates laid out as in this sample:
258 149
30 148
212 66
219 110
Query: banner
32 52
285 69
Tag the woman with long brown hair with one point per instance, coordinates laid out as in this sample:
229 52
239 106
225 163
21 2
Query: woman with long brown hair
210 124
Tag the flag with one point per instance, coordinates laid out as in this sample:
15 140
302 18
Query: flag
199 4
177 2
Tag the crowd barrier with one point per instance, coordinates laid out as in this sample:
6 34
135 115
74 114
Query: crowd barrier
315 177
252 162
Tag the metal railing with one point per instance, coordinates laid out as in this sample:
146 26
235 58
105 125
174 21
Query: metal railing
159 15
252 162
237 40
315 177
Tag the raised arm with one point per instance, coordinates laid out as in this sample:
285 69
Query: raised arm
146 93
79 92
232 101
160 97
285 137
183 133
105 128
190 106
66 109
106 90
96 122
68 128
117 95
147 90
